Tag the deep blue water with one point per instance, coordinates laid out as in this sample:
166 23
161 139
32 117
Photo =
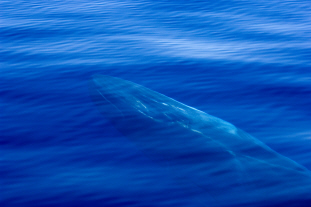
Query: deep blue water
247 62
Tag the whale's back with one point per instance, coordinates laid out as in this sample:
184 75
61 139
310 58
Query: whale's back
230 165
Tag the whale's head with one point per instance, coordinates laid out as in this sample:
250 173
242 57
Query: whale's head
127 104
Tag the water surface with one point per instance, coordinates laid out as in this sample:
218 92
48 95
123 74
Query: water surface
246 62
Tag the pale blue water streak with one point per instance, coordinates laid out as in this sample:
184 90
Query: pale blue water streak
247 62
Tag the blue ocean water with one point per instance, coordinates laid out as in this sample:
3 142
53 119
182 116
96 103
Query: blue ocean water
246 62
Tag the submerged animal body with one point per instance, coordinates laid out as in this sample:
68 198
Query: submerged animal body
229 164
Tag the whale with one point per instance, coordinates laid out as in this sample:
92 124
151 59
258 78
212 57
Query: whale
230 165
